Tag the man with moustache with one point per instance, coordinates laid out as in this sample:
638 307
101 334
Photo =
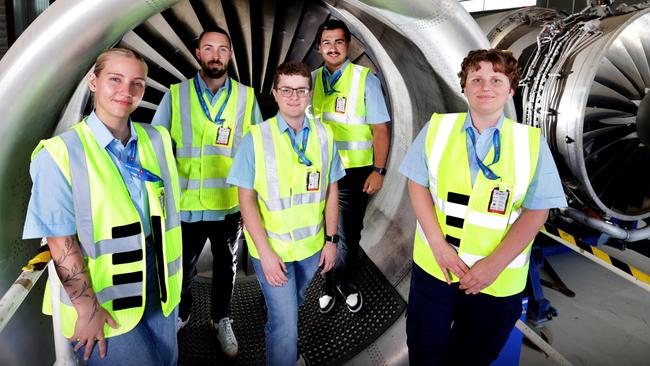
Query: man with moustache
349 99
207 117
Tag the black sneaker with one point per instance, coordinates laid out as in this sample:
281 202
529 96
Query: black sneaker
326 299
351 295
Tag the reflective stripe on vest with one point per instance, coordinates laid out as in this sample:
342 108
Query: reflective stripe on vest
352 134
352 99
294 224
466 226
116 266
202 163
186 89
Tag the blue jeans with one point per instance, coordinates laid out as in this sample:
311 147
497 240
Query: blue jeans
282 303
152 342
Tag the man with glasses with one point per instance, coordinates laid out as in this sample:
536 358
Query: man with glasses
287 170
349 99
207 117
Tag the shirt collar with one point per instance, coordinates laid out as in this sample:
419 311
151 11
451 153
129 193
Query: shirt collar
468 123
204 86
102 134
345 64
283 126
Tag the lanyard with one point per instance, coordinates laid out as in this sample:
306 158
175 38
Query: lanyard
328 87
134 168
301 151
496 141
204 105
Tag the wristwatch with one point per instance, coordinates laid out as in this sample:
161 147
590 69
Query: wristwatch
334 238
381 171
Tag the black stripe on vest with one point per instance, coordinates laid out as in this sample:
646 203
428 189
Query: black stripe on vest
156 229
131 277
458 198
127 257
455 222
127 303
452 240
126 230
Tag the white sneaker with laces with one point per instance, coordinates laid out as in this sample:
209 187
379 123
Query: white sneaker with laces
180 323
226 337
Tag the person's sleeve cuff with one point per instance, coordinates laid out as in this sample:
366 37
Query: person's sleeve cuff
41 231
420 179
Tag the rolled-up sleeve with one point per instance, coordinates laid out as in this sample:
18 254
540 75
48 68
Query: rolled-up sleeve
242 171
336 169
376 111
414 166
163 116
50 211
545 190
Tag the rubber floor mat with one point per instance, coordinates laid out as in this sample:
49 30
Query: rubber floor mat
326 339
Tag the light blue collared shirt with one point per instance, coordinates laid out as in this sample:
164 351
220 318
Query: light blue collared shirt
163 117
545 190
242 172
376 111
51 212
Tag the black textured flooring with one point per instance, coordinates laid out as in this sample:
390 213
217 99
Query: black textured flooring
328 339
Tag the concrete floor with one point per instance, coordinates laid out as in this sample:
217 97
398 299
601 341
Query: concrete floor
607 323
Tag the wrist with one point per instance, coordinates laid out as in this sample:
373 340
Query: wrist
380 170
334 239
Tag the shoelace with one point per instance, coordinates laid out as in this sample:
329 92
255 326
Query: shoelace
227 329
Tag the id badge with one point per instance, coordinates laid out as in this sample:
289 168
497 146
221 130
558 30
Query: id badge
340 104
498 201
313 181
223 136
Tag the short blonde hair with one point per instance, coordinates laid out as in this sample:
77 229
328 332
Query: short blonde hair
102 59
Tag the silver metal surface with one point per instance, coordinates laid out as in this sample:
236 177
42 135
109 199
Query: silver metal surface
615 232
416 48
587 89
38 76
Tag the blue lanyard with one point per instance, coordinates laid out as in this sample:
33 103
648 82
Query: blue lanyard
204 105
134 168
496 141
301 151
328 87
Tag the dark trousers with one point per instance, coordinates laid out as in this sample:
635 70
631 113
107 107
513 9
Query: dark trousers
224 236
446 327
352 207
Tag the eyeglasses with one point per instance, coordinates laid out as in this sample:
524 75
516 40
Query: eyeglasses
287 92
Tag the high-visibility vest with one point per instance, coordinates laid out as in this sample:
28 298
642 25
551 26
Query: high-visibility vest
109 228
203 165
352 134
292 215
462 209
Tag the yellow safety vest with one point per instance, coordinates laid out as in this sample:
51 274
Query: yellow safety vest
345 112
203 164
109 227
291 214
463 211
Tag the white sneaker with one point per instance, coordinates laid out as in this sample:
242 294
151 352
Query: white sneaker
226 337
302 360
180 323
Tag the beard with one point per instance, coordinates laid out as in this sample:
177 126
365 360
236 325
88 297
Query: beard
214 69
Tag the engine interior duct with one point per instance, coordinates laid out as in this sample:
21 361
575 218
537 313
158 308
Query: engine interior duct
415 47
586 84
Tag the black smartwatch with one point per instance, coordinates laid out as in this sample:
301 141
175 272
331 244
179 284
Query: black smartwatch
381 171
334 238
